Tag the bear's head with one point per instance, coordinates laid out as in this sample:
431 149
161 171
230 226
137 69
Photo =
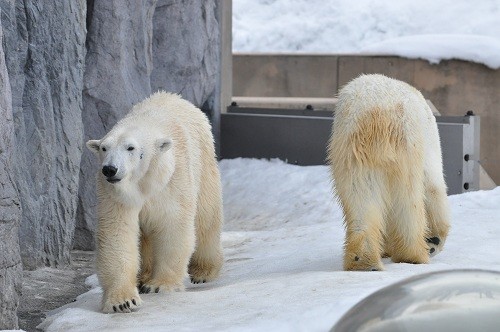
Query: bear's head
126 155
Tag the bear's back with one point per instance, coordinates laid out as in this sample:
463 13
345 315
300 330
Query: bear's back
380 97
164 106
396 99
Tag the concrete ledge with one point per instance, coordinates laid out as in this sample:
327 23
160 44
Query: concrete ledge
321 104
287 102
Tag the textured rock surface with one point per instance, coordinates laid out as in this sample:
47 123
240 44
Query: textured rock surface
10 213
118 67
45 49
186 50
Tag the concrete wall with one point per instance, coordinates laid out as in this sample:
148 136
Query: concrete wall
453 86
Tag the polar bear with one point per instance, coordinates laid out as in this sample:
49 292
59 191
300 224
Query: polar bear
159 202
386 165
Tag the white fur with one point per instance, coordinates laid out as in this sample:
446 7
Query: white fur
386 163
164 215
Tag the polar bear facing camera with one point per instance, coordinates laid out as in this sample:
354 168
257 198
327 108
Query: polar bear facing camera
159 202
385 160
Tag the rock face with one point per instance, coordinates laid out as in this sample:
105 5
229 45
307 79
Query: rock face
10 212
186 52
118 67
45 48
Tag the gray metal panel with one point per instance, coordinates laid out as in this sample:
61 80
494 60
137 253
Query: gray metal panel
296 139
303 140
471 149
451 135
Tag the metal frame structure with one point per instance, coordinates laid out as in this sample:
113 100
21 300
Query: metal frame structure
301 136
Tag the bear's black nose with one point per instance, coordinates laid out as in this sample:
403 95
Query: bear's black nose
109 171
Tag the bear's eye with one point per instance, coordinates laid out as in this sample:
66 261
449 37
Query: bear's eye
104 149
130 148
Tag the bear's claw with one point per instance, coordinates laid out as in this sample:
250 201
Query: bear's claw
434 240
360 262
198 281
121 303
154 287
124 307
144 289
433 243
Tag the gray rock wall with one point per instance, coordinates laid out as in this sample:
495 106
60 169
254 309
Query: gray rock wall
44 49
10 212
186 43
118 67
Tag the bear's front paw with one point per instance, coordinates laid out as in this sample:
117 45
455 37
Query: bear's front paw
121 301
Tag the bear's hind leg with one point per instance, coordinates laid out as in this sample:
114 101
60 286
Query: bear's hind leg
436 205
172 245
206 261
146 270
363 241
362 196
408 226
363 199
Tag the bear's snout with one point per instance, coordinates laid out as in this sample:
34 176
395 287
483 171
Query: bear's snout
109 171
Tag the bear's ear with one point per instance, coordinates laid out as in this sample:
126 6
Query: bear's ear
93 145
164 144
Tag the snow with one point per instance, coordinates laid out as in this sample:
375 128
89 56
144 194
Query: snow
428 29
282 242
435 48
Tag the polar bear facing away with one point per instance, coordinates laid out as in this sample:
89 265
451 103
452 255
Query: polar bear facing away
385 160
159 202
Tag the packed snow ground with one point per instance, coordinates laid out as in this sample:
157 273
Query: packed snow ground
283 259
428 29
